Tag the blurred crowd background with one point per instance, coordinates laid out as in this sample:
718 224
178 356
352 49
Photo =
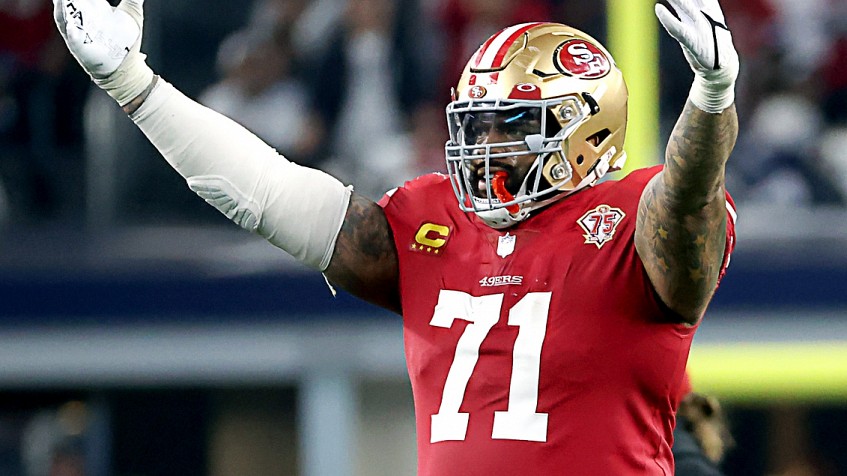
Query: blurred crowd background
357 88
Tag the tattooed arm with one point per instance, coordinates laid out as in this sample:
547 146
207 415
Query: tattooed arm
681 229
365 260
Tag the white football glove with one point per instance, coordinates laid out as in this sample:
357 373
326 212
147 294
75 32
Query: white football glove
700 28
106 41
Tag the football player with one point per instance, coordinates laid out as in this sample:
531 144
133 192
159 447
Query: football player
547 316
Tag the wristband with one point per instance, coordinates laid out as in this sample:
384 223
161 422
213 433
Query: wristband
713 94
128 81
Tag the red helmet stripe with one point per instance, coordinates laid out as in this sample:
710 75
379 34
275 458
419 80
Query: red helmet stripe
493 51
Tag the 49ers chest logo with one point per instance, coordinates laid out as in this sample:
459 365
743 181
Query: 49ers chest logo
600 224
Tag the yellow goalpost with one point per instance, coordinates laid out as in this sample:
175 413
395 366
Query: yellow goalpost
634 43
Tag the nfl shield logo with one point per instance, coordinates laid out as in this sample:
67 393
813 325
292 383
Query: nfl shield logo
505 245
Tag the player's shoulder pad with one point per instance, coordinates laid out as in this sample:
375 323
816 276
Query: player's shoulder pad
416 185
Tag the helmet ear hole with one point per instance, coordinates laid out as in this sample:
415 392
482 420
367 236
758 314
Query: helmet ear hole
580 160
598 138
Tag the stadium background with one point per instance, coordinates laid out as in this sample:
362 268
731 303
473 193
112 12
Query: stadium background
143 334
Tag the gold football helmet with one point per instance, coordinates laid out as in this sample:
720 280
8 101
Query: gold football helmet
542 91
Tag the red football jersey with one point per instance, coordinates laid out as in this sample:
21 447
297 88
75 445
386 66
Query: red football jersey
542 349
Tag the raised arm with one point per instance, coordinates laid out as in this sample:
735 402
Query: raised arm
303 211
681 229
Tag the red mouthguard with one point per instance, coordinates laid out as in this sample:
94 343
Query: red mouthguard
498 185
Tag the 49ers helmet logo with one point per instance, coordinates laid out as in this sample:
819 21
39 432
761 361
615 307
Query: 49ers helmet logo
477 92
582 59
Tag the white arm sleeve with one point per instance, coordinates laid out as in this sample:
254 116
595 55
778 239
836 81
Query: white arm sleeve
296 208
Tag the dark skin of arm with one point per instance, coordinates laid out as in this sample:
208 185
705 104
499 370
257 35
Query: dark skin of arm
681 226
364 262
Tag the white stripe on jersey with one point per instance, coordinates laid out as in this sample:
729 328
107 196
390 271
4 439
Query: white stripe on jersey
732 213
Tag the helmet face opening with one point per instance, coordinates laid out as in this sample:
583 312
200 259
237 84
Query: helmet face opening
477 125
513 136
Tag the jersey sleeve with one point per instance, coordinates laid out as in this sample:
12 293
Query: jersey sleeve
729 247
402 203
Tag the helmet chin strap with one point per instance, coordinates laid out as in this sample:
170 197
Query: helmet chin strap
500 218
